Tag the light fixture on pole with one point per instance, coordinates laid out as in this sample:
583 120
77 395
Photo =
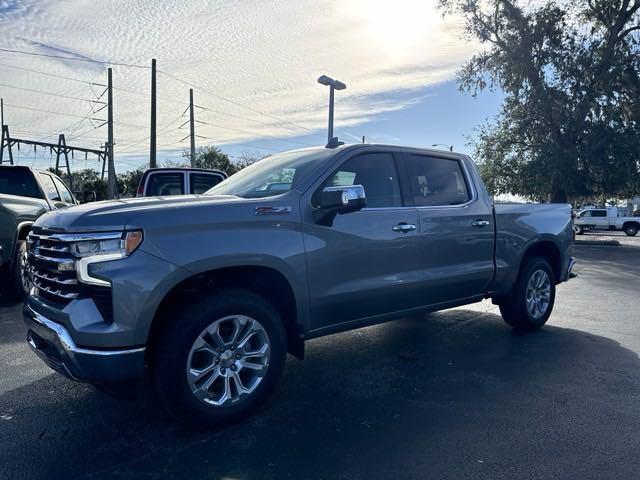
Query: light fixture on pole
333 85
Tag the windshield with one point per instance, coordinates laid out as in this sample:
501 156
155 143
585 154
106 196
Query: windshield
273 175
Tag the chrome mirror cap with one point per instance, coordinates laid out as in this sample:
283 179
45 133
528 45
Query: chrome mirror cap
343 199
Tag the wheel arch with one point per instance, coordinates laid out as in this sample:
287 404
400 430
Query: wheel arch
268 282
22 230
548 250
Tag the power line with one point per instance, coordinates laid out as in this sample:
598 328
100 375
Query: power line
20 131
75 59
293 142
50 93
31 70
54 113
233 102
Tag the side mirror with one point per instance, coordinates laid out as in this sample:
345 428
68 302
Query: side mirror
343 199
334 200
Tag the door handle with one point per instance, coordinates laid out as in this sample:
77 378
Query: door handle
480 223
403 227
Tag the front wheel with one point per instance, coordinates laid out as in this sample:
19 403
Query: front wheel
531 301
578 229
219 360
631 230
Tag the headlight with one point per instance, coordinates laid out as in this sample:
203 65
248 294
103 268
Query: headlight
106 244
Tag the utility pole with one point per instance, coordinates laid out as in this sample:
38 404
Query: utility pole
2 128
111 173
363 139
192 128
152 142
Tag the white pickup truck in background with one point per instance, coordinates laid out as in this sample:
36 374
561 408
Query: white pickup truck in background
605 219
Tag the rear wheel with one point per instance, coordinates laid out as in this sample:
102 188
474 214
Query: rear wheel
631 230
18 282
221 359
578 229
531 301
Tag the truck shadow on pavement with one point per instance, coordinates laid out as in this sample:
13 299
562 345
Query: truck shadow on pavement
449 395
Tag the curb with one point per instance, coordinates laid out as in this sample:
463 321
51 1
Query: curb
609 243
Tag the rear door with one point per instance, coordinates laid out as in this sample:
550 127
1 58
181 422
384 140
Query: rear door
200 182
365 263
456 238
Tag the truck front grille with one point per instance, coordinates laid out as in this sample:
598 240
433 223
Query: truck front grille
54 275
53 270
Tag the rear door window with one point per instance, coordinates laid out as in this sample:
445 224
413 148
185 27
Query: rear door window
50 188
436 181
166 183
201 182
598 213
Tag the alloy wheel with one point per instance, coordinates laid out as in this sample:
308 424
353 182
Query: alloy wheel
25 273
228 360
538 295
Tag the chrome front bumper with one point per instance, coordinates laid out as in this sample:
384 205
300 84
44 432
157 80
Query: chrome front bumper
53 344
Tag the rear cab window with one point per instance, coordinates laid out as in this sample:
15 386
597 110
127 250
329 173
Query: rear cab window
165 183
201 182
20 182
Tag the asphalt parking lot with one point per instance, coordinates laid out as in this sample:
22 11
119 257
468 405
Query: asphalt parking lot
449 395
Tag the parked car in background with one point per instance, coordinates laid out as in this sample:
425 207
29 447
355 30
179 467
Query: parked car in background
208 293
162 182
25 194
605 219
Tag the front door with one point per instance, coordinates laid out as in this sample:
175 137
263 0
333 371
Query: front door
365 263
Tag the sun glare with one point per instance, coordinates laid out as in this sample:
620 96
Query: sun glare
396 25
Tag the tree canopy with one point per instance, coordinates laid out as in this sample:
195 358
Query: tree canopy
569 126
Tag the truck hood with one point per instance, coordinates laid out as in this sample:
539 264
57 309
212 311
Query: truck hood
110 215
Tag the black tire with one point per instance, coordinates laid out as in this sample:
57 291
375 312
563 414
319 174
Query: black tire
579 230
12 283
171 354
514 308
631 230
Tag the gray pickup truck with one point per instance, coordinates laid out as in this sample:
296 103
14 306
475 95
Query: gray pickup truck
207 294
25 194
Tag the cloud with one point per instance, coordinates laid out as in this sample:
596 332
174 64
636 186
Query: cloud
255 64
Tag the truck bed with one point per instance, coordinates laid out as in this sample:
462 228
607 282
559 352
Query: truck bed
520 225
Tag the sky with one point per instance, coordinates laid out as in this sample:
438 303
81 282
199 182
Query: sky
252 64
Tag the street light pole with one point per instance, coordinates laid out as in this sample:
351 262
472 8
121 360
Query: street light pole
333 85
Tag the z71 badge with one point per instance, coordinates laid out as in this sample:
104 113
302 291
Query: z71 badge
272 210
